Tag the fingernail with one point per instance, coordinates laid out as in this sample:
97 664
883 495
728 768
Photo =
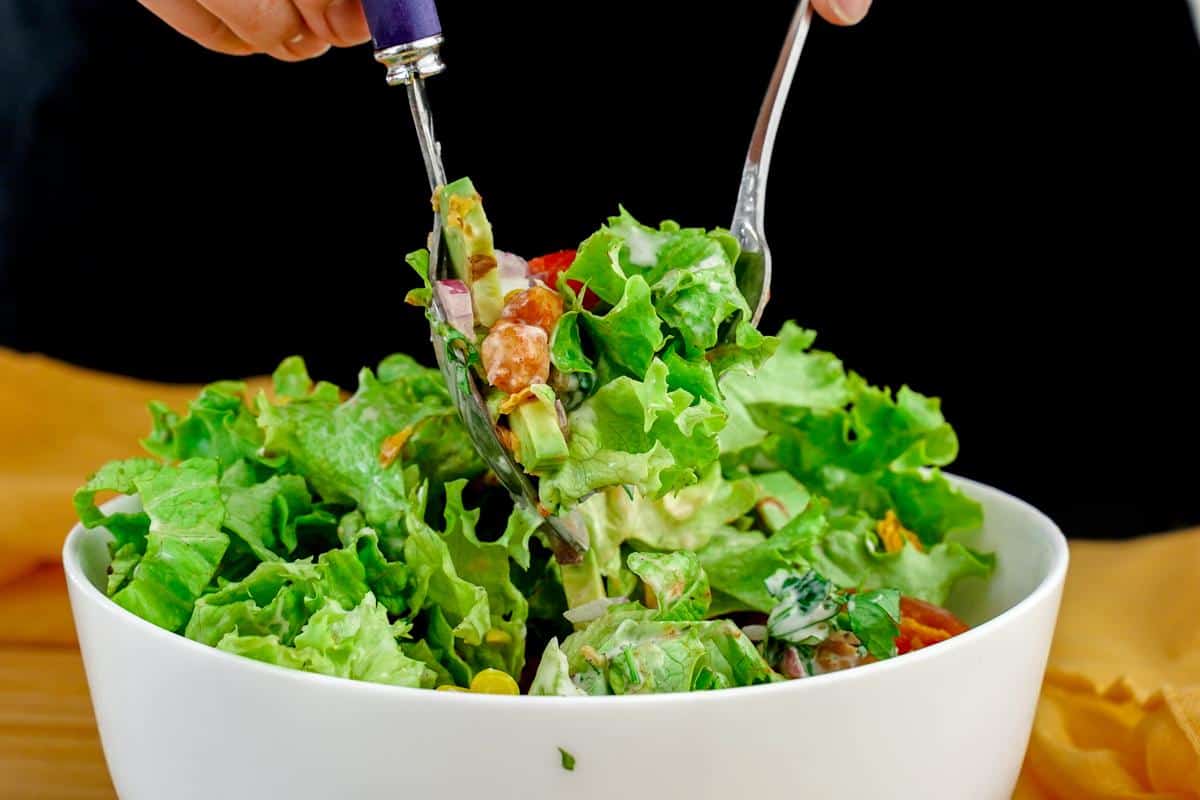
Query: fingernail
850 12
297 39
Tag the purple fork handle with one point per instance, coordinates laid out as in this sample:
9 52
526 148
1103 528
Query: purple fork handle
395 23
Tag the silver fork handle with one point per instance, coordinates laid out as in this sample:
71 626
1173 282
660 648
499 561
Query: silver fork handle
431 149
748 215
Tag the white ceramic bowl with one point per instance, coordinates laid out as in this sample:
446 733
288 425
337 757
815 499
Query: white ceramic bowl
180 720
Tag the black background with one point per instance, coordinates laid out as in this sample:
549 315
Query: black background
995 203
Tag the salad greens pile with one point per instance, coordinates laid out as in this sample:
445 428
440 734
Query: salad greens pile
637 373
755 511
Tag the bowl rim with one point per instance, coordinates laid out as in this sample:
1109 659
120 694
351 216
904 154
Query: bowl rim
1053 580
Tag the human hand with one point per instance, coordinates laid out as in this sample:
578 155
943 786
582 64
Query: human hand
290 30
294 30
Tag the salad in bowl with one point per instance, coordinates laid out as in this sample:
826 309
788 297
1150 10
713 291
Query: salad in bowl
756 513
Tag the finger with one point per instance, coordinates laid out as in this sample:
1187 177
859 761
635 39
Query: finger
272 26
198 24
339 22
348 21
842 12
302 47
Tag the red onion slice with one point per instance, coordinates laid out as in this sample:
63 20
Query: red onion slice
455 299
514 272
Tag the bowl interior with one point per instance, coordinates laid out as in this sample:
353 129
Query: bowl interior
1028 547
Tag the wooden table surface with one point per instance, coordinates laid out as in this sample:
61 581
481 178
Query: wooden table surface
49 746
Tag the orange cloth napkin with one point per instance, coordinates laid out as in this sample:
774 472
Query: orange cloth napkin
1119 716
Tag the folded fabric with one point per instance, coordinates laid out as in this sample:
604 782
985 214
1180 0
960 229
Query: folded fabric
1119 716
58 424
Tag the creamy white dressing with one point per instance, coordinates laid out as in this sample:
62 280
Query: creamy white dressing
643 246
796 618
513 283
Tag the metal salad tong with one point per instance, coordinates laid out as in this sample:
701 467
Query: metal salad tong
407 38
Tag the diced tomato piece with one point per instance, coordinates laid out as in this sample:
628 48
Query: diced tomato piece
923 624
931 615
547 268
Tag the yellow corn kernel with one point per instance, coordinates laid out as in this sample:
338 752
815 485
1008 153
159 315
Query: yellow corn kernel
497 637
493 681
450 687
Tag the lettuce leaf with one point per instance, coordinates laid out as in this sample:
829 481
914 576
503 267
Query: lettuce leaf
628 651
120 569
781 498
811 380
748 350
276 599
127 528
690 434
264 515
843 549
610 442
738 564
218 425
646 657
679 585
437 584
566 346
637 434
688 272
421 651
874 617
860 446
291 379
597 266
628 335
184 544
638 245
732 659
685 520
694 375
388 580
440 637
855 559
553 676
487 565
697 291
358 643
336 446
361 644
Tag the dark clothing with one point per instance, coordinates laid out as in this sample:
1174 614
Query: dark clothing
989 204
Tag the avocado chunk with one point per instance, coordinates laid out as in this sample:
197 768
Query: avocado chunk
541 446
582 582
469 242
